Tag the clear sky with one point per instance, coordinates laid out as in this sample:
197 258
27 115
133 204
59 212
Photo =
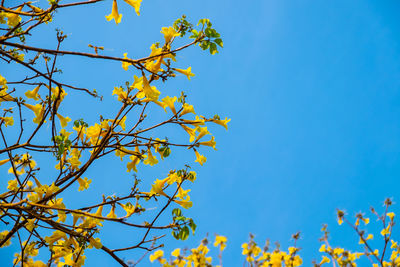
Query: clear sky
312 88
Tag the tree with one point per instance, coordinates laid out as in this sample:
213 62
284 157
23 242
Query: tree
32 207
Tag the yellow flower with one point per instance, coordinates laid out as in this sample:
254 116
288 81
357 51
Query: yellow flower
370 236
4 161
186 204
390 215
64 132
13 185
386 231
135 4
121 123
135 160
176 252
210 143
31 224
324 260
158 186
83 183
33 94
151 160
3 82
4 96
2 236
119 91
223 122
150 91
169 33
190 131
57 235
182 194
157 255
95 242
200 158
9 121
220 241
114 13
13 19
169 101
129 208
63 120
38 109
202 132
187 109
187 72
125 65
112 214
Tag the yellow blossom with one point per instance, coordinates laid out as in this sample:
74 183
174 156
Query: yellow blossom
112 214
169 33
3 83
151 160
150 91
202 132
120 92
210 143
370 236
186 204
95 242
390 215
2 236
187 72
187 109
114 13
63 120
33 93
220 241
121 123
83 183
4 161
223 122
156 255
9 121
38 109
169 101
135 4
200 158
385 231
14 19
129 208
324 260
13 185
64 133
158 187
190 131
176 253
125 65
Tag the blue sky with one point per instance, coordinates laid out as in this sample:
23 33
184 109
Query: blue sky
312 88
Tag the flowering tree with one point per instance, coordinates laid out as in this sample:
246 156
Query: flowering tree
381 250
33 208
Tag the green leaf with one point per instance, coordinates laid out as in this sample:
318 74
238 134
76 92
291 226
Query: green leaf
166 152
219 42
184 233
213 49
176 212
208 32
